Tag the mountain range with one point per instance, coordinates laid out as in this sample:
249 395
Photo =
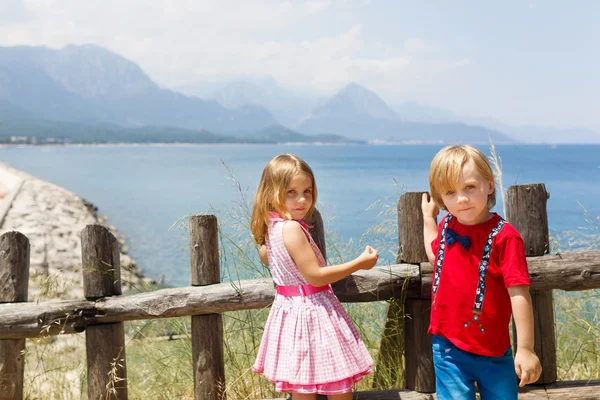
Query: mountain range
87 87
89 84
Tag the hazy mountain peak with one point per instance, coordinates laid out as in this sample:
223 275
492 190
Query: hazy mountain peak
355 99
90 70
354 88
264 91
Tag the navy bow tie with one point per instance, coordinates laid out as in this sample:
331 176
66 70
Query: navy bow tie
452 237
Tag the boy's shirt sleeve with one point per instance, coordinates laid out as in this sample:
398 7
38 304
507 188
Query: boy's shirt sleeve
513 262
435 244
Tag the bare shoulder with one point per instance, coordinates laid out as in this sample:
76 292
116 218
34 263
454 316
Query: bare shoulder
292 228
293 234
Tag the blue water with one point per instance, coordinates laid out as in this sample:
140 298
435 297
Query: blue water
144 190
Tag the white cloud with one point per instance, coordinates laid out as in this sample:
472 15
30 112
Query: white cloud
190 40
13 11
418 45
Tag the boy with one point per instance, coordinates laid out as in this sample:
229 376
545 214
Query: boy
484 279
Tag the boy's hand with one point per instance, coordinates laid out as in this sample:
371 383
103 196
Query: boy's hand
368 258
527 366
429 208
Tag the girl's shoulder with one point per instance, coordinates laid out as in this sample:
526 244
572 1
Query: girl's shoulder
292 230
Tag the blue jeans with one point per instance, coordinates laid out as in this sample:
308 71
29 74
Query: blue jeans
456 372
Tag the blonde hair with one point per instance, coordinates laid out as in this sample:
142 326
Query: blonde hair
447 165
272 192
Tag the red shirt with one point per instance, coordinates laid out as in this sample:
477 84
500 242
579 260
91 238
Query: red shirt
453 306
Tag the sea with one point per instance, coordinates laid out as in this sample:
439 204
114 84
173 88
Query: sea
148 191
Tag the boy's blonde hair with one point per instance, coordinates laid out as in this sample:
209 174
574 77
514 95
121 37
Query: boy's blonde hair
272 192
447 165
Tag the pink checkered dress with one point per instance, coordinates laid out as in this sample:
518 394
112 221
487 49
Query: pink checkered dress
309 344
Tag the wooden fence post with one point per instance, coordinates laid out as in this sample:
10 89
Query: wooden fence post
318 232
14 282
526 211
105 344
207 330
419 372
406 329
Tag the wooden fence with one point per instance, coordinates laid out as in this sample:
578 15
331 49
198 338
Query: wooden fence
408 283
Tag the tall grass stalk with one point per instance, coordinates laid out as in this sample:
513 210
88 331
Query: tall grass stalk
496 162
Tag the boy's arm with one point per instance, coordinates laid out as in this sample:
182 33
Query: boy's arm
430 211
527 364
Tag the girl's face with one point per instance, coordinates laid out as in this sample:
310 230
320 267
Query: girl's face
468 201
299 196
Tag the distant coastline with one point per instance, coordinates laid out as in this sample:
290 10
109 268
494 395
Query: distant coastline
52 218
366 143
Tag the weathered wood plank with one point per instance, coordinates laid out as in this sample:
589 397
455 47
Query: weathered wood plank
388 371
105 353
380 283
573 271
566 390
14 267
566 271
418 359
420 375
395 394
207 330
70 316
105 344
533 392
14 281
318 232
29 320
100 260
526 211
410 229
574 390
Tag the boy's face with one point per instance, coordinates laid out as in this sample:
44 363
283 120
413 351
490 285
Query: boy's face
468 201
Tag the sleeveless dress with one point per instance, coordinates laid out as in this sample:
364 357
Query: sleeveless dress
309 344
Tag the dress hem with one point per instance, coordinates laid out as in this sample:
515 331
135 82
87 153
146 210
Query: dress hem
341 386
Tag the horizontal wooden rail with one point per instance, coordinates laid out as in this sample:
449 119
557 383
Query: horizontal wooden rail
573 271
568 271
71 316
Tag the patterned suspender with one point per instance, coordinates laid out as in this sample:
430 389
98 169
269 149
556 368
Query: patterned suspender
483 266
440 257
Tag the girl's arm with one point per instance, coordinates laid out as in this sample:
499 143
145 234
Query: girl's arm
527 364
302 253
430 211
262 253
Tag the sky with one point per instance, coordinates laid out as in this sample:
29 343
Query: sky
518 62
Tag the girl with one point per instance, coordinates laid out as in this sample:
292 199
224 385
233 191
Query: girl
309 344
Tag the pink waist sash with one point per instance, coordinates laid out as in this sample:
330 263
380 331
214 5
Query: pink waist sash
301 290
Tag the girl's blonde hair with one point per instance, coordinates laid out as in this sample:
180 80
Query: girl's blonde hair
447 166
272 192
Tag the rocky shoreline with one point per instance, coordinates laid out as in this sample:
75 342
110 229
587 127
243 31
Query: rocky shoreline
52 218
